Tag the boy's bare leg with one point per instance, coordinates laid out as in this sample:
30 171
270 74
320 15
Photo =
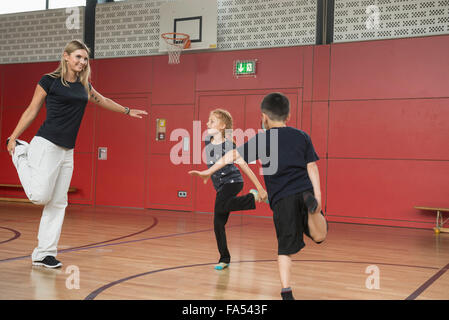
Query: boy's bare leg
317 226
285 265
317 223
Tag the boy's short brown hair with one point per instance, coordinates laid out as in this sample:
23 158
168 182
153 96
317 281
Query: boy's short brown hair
276 106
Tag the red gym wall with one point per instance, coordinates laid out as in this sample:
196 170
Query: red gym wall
376 112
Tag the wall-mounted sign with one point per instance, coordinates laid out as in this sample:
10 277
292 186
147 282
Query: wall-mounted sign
102 153
160 129
245 67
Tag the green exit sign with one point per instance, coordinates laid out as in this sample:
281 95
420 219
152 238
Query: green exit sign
247 67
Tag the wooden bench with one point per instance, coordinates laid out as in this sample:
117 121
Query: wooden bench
18 186
439 222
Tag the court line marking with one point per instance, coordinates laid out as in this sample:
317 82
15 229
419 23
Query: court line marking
16 235
153 238
155 222
93 246
96 292
428 283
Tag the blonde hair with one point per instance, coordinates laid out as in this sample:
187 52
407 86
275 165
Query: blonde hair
225 117
62 69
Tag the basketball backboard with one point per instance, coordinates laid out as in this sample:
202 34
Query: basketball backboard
197 18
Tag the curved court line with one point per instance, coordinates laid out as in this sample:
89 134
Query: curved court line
16 235
93 246
155 222
96 292
151 238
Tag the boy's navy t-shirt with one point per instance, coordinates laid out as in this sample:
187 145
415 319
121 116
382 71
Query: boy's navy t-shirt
65 110
229 173
284 153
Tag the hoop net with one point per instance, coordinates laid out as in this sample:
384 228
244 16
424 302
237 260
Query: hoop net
175 42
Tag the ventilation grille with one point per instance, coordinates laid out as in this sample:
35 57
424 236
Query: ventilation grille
358 20
128 28
244 24
40 35
131 28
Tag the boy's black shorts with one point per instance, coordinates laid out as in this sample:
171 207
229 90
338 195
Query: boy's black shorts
291 222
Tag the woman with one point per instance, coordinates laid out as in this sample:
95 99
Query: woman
45 166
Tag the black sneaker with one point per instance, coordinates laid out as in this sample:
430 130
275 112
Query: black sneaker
287 295
310 201
18 143
49 262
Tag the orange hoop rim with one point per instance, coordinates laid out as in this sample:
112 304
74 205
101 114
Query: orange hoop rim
172 36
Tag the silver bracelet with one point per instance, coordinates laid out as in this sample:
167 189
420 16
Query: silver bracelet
127 110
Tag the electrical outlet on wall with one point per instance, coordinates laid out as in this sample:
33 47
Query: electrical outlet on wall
182 194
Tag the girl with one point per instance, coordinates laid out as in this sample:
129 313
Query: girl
228 181
45 165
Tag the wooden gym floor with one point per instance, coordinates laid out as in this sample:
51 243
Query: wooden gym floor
120 253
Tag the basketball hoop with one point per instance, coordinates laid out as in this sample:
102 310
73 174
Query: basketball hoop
175 42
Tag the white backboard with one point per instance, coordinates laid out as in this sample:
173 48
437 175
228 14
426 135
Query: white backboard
197 18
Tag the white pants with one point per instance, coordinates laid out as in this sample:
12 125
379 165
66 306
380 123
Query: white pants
45 171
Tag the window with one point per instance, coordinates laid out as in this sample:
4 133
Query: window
13 6
55 4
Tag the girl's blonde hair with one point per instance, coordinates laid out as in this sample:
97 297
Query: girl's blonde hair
225 117
62 69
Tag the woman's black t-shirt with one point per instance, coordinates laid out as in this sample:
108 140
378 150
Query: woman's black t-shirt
65 110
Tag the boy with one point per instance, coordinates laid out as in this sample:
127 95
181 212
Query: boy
293 186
